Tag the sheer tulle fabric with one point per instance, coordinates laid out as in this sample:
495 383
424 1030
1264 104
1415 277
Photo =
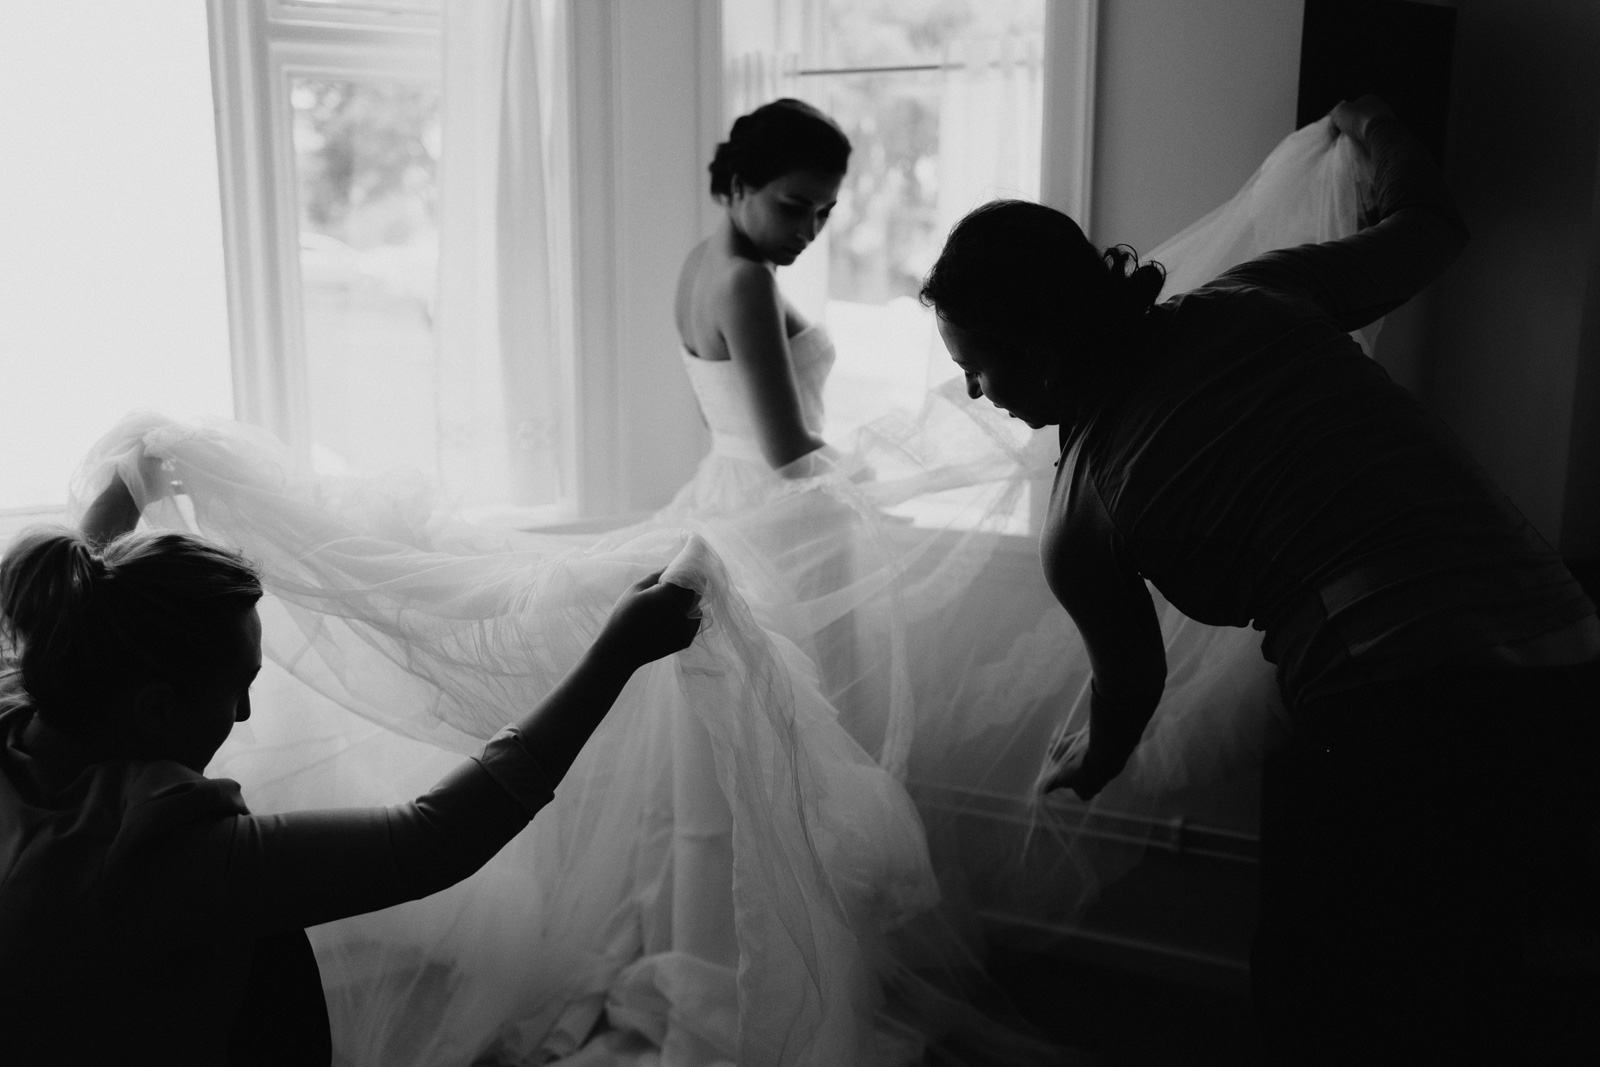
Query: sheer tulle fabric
734 870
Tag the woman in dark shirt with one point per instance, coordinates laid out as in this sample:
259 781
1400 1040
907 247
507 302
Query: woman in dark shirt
1235 448
145 914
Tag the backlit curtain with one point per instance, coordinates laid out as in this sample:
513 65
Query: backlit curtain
990 114
754 78
504 319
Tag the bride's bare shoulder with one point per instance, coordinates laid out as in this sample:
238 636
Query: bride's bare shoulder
712 276
721 293
718 270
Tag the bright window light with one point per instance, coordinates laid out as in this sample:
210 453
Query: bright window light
112 290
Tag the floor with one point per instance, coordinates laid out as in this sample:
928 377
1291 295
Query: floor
1112 1018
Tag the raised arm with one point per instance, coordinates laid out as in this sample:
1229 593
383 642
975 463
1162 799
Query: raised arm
277 872
759 346
111 514
1413 231
116 509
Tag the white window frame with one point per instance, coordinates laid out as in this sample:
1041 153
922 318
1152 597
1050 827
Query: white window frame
256 47
1066 157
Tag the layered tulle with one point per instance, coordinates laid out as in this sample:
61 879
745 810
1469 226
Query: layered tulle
734 870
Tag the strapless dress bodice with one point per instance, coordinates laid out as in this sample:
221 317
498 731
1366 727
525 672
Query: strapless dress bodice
725 400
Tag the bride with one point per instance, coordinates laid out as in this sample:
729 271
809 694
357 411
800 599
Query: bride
734 869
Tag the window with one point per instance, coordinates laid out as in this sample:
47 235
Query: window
330 117
111 266
366 157
943 106
366 274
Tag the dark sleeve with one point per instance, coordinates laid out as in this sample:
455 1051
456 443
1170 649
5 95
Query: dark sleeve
1098 584
1413 234
263 873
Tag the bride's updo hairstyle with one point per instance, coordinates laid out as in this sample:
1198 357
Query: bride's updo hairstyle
1019 274
91 625
774 139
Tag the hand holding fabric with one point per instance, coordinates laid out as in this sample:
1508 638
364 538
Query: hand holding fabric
119 479
1076 763
652 619
1352 117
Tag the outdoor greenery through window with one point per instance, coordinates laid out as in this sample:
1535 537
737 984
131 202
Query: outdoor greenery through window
366 158
883 70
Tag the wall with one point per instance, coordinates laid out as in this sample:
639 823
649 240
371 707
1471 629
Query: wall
1190 98
1518 328
661 161
639 148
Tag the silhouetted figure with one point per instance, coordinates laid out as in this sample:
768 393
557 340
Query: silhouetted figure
145 915
1428 837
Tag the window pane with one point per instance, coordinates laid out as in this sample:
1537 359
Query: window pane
366 155
885 225
875 33
884 235
404 7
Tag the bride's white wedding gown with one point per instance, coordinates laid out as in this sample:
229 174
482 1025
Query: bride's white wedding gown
735 868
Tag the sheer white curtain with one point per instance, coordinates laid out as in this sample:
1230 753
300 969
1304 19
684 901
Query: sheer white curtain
111 262
754 78
990 114
504 319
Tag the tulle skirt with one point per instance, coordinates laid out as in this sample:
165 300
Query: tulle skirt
776 847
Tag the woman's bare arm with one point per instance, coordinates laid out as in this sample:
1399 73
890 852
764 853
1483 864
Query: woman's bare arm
113 513
759 346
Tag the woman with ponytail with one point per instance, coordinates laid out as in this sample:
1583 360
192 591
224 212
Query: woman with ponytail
1424 831
145 915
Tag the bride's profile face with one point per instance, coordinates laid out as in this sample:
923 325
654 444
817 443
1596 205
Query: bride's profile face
781 218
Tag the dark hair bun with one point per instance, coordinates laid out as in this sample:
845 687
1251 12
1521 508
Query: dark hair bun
774 139
1137 285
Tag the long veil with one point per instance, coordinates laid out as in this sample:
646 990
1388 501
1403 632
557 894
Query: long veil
775 833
